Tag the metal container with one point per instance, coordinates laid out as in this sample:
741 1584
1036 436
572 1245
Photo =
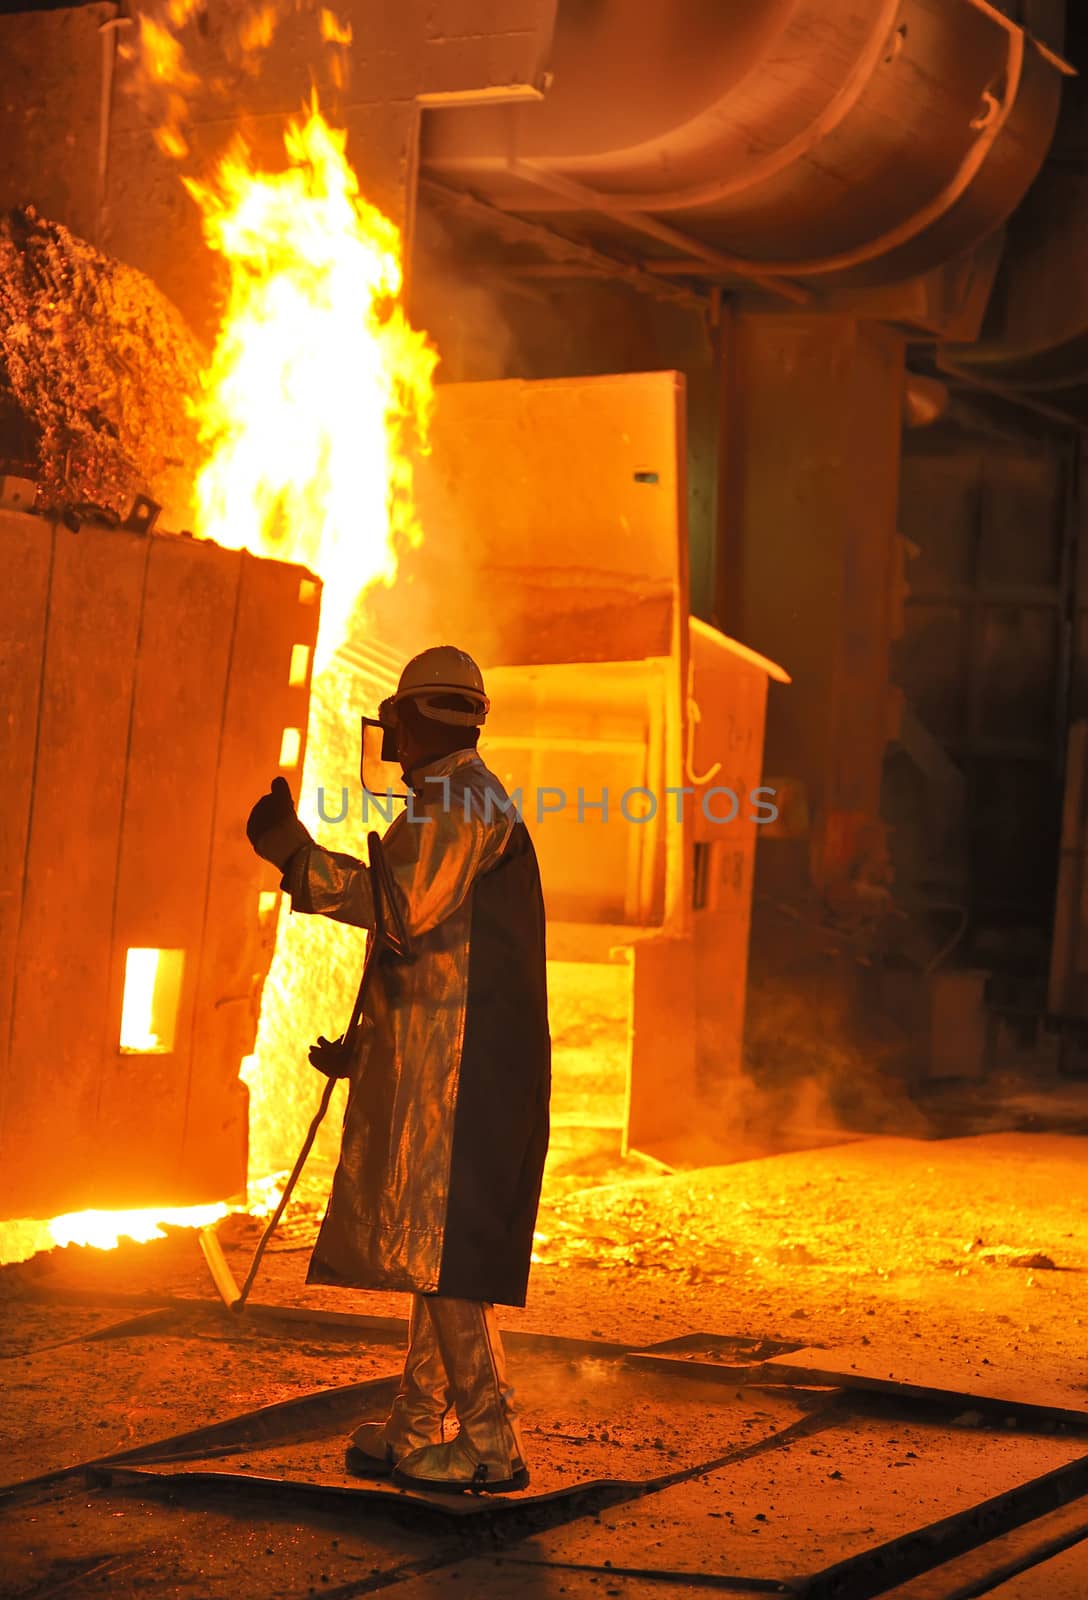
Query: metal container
152 687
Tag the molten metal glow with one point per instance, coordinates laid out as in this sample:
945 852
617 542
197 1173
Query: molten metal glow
24 1237
141 970
106 1228
149 1007
317 381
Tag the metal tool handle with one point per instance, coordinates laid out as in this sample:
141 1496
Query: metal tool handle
296 1170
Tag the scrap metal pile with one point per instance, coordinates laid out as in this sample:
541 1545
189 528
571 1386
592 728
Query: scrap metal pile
98 372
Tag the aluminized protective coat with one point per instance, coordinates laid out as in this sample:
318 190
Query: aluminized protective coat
386 1223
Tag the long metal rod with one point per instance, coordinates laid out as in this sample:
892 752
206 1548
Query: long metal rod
1012 396
288 1190
1047 51
519 230
639 222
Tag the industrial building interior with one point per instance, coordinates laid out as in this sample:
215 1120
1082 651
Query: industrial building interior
716 374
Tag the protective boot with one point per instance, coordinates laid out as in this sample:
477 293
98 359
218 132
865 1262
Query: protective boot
487 1455
419 1411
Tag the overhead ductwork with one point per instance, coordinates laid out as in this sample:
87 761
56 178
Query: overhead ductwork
1034 343
797 142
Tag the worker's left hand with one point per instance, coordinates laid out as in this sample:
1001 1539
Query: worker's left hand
273 828
331 1057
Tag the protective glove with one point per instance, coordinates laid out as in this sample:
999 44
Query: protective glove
273 828
330 1057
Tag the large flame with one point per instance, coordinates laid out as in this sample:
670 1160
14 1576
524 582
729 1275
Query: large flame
316 395
317 383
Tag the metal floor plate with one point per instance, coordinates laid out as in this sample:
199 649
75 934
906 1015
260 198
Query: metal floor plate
590 1422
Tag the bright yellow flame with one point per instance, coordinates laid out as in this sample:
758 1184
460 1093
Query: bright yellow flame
318 383
317 394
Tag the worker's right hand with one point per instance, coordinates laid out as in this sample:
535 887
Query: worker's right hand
330 1057
273 828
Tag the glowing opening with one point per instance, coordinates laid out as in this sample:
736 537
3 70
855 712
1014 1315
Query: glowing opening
291 747
300 665
267 901
149 1010
307 592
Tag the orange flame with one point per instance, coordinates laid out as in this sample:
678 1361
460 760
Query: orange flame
257 31
333 31
162 78
317 383
317 393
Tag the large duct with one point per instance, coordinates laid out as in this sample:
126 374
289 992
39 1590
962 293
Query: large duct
804 139
1034 342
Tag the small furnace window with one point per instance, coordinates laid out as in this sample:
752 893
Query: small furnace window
149 1009
300 665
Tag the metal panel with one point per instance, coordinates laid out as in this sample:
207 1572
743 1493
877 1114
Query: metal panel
726 753
813 541
572 742
567 498
27 546
661 1090
272 617
162 869
165 695
983 665
796 138
61 1005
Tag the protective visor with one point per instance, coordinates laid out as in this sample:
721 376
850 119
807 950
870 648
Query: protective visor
379 765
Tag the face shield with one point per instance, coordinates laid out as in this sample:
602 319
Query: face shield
379 766
381 769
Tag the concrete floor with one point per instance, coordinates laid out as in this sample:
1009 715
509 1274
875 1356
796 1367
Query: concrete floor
869 1329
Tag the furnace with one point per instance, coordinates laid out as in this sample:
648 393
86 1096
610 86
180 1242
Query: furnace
151 682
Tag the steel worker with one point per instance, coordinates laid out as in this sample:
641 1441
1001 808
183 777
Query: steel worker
446 1127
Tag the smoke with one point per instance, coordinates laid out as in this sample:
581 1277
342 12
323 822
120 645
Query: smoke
463 315
816 1063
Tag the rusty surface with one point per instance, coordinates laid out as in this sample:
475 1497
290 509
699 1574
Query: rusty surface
163 667
808 582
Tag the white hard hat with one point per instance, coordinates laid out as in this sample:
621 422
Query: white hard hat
446 685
